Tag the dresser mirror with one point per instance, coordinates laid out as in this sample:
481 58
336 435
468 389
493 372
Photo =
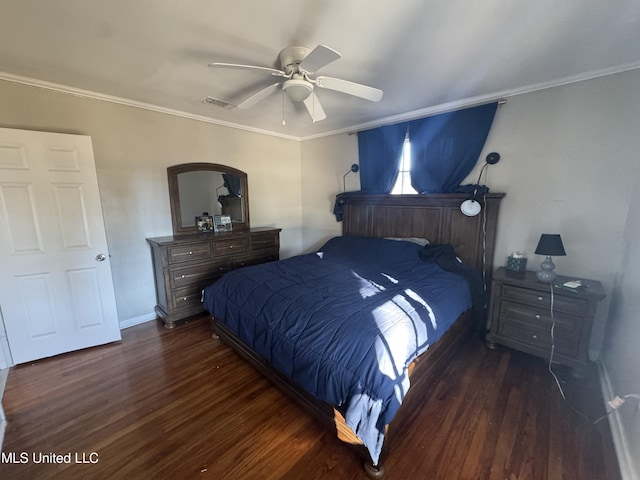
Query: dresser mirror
207 188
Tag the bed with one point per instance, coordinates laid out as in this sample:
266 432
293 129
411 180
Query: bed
348 329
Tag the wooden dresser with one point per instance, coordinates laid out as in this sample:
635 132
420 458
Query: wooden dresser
184 264
520 315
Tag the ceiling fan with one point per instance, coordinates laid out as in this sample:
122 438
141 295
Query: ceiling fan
298 64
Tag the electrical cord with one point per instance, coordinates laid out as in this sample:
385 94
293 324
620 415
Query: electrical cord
484 249
553 345
553 349
614 404
599 419
484 238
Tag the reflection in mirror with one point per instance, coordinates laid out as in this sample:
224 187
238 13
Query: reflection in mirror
216 193
196 188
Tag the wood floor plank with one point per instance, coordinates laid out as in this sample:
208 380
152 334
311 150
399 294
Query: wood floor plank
179 404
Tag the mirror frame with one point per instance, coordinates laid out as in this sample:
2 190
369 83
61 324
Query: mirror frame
174 193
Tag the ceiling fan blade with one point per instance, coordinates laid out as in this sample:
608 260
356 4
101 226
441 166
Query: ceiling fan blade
314 108
350 88
272 71
259 95
319 57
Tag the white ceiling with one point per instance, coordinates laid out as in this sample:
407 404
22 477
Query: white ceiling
426 55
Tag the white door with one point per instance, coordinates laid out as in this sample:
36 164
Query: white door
56 289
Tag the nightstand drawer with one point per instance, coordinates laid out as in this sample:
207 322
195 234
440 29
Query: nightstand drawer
539 317
539 298
521 317
539 337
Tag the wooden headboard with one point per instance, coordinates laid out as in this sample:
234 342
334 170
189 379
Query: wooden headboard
436 217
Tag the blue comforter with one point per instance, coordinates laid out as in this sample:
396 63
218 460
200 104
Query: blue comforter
345 322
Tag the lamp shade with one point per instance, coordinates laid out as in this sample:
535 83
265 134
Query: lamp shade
550 244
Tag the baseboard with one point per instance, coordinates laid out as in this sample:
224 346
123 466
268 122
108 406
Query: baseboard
625 459
132 322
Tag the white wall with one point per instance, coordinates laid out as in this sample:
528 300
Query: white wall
622 355
324 163
133 148
569 160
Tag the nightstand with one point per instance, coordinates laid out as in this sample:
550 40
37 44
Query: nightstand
520 316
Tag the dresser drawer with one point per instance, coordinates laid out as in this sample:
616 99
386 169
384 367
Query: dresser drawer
229 247
186 298
539 298
184 265
261 242
197 275
248 260
189 253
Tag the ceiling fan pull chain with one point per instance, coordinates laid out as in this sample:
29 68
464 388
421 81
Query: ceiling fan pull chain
283 121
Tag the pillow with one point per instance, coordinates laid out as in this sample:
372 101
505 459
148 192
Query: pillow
357 250
420 241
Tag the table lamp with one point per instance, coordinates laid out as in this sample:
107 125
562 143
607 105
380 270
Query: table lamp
549 245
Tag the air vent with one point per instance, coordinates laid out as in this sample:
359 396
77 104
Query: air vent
219 103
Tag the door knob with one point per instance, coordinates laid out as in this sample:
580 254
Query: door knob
101 257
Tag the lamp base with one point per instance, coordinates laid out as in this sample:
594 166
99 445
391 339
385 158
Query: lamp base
546 274
546 277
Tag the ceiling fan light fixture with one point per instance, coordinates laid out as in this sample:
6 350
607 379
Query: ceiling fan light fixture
298 63
297 89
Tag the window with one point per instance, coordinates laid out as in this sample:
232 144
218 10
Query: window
403 181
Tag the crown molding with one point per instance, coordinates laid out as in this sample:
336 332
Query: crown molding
403 117
78 92
479 100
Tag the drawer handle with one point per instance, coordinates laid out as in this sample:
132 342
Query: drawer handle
190 275
537 317
182 254
540 299
535 337
184 298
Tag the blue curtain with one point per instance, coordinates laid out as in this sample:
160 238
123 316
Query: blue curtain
446 147
232 182
380 152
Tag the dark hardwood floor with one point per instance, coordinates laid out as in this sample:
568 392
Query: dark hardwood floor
178 404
